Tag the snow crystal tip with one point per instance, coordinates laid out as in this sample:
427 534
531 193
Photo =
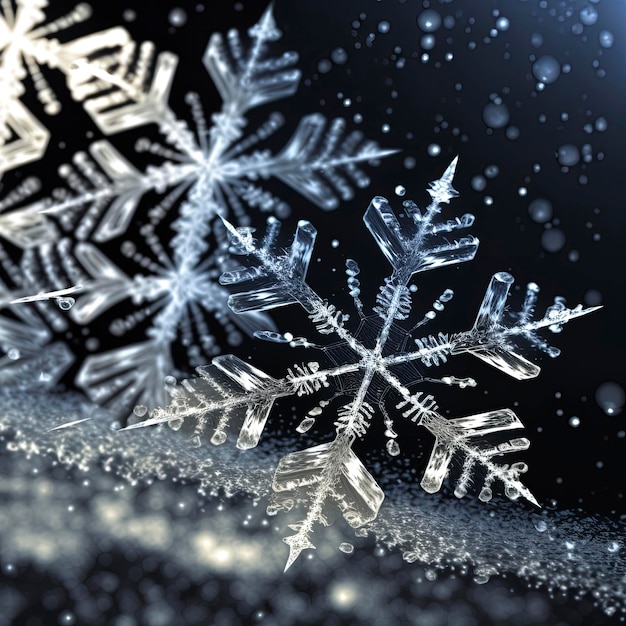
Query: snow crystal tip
296 544
142 425
442 191
448 175
590 309
49 295
266 27
68 424
229 227
385 152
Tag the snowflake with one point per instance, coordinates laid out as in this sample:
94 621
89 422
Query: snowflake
213 172
380 360
26 46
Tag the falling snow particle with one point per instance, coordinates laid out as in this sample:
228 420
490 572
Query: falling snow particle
339 56
610 397
495 115
546 69
429 20
540 210
434 150
177 17
568 155
552 239
606 38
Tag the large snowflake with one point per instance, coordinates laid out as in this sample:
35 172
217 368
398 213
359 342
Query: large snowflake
216 170
378 361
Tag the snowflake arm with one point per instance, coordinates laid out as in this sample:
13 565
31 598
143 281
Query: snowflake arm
247 78
490 338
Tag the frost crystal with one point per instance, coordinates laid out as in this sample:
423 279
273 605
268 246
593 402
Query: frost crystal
218 170
381 360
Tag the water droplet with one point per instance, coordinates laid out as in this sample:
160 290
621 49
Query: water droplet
460 491
574 421
588 16
577 29
606 38
568 154
140 410
546 69
175 424
324 66
434 150
491 171
478 182
613 547
429 20
540 210
512 133
195 441
610 398
14 354
427 42
400 190
601 124
485 494
502 23
219 437
66 618
592 297
536 40
169 380
383 27
430 574
305 424
65 304
511 493
553 239
495 115
177 17
346 547
339 56
392 447
541 526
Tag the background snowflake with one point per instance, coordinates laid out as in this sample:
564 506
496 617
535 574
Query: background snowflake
218 168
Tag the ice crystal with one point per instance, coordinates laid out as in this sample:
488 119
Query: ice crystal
215 170
381 360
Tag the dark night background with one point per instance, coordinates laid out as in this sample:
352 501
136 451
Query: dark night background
405 103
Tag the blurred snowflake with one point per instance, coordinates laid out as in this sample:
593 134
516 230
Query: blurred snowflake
214 170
